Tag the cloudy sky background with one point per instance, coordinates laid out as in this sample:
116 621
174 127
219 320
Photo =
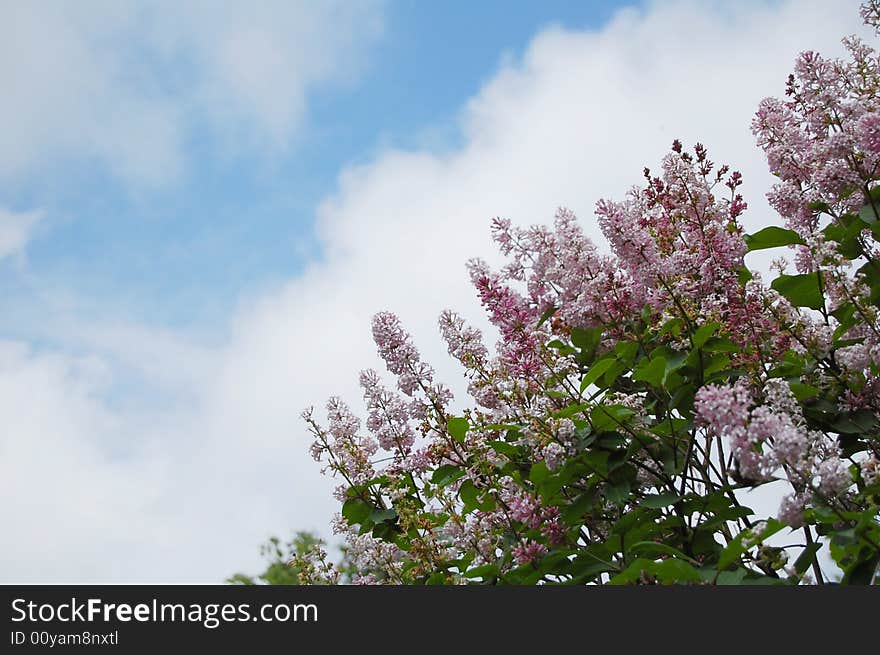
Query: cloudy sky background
200 211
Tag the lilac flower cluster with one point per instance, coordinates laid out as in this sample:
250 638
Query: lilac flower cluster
562 268
388 416
677 240
403 360
822 141
345 453
771 438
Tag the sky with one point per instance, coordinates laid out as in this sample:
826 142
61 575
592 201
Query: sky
200 211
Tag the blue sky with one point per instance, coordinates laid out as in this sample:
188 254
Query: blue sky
200 211
236 221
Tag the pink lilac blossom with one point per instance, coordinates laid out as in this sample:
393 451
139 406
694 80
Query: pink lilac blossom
870 13
564 271
388 417
554 455
520 345
527 551
674 236
867 398
833 476
464 342
565 435
403 360
800 331
345 452
791 509
823 141
522 506
552 527
771 437
725 411
474 533
776 440
376 561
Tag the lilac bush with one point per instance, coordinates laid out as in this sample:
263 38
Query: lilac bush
634 397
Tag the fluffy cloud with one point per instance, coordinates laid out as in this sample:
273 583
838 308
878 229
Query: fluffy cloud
185 490
16 229
124 83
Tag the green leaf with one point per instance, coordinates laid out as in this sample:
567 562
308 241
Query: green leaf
486 571
546 315
846 317
458 428
721 345
674 358
703 333
803 562
596 371
660 500
790 365
870 275
618 493
667 571
586 338
632 572
801 290
868 214
734 577
673 326
571 410
437 578
854 422
632 521
574 512
504 448
356 511
469 495
675 570
863 572
613 373
845 232
539 473
772 237
651 371
446 474
382 515
803 391
682 399
609 417
626 351
763 580
652 547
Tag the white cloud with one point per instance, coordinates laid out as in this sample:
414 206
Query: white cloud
16 229
259 58
187 493
124 83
